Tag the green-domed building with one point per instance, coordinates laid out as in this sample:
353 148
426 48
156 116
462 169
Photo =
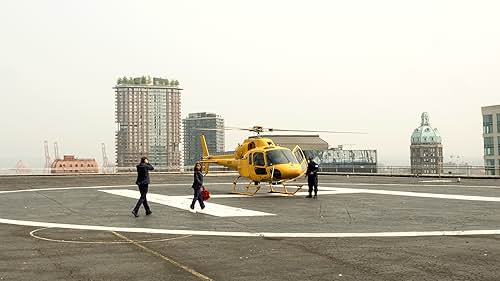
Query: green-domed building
426 149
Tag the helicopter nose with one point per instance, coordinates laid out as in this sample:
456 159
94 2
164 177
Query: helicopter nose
292 172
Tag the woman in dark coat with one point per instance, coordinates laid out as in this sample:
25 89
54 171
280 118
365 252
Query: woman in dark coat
197 185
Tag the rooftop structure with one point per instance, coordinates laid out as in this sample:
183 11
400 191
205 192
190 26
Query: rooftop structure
306 142
425 134
146 80
349 160
331 160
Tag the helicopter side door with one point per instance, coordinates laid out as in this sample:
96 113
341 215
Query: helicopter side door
258 171
301 157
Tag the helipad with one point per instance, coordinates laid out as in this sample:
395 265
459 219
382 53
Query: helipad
353 208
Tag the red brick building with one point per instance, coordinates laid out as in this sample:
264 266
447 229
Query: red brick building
70 164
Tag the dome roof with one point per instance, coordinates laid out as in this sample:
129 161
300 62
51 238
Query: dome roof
425 134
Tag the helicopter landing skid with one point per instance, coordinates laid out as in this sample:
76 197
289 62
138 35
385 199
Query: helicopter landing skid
250 189
285 189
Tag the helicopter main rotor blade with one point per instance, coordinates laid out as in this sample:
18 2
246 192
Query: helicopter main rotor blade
259 129
222 129
314 131
208 129
241 129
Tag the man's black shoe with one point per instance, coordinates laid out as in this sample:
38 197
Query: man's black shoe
192 207
135 214
148 213
308 196
315 197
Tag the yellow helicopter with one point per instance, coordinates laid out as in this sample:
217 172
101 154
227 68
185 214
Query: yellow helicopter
260 160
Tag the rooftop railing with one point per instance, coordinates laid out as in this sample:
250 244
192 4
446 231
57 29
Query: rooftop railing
445 171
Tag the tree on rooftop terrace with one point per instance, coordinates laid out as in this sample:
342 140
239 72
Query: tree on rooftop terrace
119 81
143 79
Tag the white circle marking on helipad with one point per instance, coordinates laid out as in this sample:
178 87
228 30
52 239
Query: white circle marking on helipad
231 233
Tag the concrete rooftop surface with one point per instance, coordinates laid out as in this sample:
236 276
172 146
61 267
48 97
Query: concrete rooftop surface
359 228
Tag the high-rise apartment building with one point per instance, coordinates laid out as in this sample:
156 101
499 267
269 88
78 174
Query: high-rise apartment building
426 151
491 139
214 135
148 114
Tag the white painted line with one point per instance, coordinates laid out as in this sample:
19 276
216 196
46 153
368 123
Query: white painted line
99 186
252 234
331 190
183 202
425 195
275 234
152 186
430 181
409 185
322 191
63 188
32 234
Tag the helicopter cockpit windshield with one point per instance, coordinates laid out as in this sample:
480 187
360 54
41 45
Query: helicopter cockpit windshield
280 156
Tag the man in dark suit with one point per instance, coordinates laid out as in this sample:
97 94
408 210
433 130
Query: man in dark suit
143 181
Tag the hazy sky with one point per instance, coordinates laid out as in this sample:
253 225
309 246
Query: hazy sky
371 66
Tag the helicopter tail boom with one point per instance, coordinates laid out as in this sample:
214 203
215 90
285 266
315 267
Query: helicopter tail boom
223 160
204 146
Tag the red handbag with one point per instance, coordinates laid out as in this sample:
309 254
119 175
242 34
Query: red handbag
205 194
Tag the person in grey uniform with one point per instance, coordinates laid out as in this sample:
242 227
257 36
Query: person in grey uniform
312 178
